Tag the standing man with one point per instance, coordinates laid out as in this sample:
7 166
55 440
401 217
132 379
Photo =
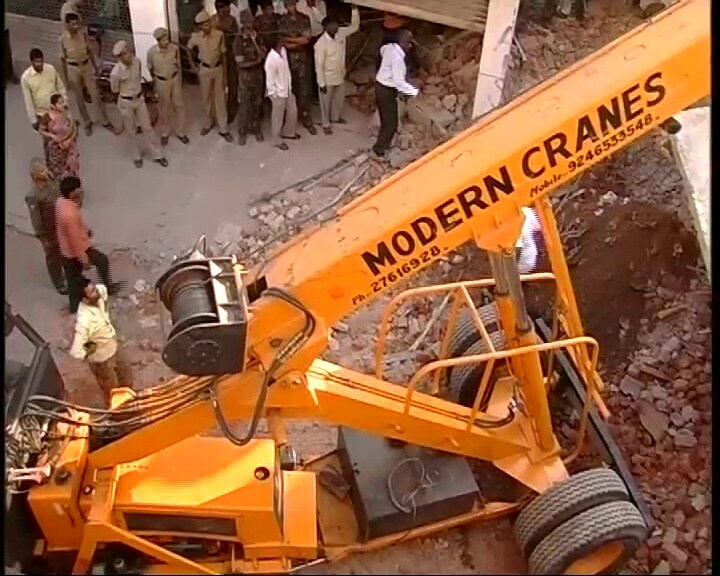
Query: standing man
330 68
278 78
163 62
126 82
249 56
316 11
95 340
39 82
75 242
295 29
228 25
210 45
79 68
390 80
266 23
70 7
41 205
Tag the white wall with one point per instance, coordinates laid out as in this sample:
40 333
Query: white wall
146 15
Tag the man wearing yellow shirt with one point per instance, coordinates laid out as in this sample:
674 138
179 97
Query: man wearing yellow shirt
39 82
96 340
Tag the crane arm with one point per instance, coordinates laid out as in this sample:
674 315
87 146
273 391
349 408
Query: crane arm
472 187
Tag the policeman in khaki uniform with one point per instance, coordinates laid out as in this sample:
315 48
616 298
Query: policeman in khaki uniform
163 62
79 68
126 82
210 45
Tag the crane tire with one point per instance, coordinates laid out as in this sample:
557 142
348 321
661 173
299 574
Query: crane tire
465 380
565 500
599 540
465 333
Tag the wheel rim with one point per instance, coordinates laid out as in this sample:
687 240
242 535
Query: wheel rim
598 560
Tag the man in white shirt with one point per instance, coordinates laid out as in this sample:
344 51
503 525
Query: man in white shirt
390 80
330 68
95 340
278 83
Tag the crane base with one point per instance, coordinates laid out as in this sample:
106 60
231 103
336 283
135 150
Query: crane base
367 461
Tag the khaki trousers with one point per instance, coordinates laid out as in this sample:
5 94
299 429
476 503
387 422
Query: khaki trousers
113 373
331 104
212 88
172 106
80 78
283 121
135 114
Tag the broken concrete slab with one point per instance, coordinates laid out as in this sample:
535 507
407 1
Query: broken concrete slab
691 147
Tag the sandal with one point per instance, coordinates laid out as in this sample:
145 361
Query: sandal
282 146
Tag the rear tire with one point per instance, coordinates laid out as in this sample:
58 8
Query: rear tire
564 501
597 541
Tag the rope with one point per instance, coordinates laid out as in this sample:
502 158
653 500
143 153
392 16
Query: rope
425 482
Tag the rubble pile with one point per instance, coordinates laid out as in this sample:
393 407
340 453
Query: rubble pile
662 411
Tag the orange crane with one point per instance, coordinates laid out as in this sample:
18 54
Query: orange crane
137 489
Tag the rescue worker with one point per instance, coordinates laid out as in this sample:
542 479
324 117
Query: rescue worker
80 68
163 62
41 205
249 58
228 25
95 340
295 29
330 53
266 23
391 80
210 45
126 82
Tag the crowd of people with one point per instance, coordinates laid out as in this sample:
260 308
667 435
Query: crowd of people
240 59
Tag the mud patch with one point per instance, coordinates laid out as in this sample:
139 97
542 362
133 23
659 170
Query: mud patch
627 252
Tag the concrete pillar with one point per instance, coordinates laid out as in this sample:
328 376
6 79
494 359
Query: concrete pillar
497 42
145 16
692 150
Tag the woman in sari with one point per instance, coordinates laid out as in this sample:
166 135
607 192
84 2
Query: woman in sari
61 137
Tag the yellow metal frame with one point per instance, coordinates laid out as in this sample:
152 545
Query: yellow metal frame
326 271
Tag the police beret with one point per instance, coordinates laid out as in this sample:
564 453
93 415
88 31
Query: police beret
160 33
202 17
119 48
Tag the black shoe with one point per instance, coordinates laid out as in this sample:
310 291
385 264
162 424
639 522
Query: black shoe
242 139
88 129
162 161
184 139
311 129
226 136
259 137
164 140
138 163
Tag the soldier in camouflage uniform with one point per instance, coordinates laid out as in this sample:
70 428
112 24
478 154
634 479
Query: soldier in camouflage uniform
249 57
295 29
266 23
227 24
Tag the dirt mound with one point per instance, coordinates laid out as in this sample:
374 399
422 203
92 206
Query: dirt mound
626 253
